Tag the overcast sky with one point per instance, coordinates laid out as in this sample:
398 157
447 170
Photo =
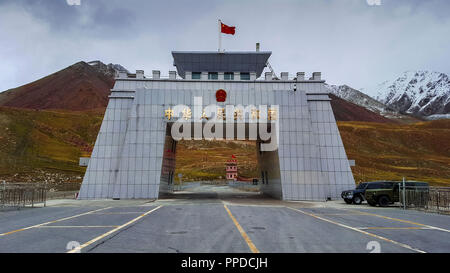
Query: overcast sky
349 41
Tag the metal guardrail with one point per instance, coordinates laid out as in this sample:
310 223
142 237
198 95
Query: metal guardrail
17 195
22 194
436 199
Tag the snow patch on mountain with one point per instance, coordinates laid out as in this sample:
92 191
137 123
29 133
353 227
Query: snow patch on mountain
355 96
111 70
421 93
438 116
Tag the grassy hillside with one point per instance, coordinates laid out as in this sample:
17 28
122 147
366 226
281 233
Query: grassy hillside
205 160
38 145
419 151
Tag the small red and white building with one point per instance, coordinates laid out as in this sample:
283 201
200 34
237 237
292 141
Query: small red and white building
231 169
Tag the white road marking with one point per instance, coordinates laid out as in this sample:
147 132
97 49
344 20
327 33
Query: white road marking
51 222
78 249
117 213
403 221
394 228
359 230
77 227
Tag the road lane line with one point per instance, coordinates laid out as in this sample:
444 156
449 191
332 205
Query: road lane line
401 220
394 228
117 213
78 227
78 249
359 230
241 230
54 221
11 232
337 214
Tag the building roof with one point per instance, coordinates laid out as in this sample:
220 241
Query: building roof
213 61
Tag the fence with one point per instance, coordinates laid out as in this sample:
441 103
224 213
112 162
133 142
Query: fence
29 194
63 190
22 194
436 199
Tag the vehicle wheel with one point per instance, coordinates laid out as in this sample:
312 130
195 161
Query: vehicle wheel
348 201
357 200
383 201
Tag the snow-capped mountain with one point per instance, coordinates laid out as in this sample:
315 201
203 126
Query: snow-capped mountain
357 97
421 93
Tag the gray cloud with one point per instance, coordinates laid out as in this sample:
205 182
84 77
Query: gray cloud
348 40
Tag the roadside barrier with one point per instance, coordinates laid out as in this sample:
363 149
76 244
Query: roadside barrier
17 195
22 194
436 199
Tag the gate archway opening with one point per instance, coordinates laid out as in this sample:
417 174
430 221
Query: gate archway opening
217 168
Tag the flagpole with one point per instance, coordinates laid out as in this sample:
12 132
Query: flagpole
220 36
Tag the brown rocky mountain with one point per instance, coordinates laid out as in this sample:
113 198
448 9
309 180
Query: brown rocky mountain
78 87
347 111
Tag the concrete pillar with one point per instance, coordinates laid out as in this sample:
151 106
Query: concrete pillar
253 76
139 74
188 75
220 76
300 76
172 75
123 75
156 74
204 76
284 76
317 76
268 76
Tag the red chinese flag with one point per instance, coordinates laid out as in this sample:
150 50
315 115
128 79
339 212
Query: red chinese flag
232 156
227 29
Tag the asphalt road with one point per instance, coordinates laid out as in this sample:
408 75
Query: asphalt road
219 219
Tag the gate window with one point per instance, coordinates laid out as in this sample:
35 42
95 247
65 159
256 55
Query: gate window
213 75
228 76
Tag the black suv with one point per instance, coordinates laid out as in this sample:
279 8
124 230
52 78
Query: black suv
355 196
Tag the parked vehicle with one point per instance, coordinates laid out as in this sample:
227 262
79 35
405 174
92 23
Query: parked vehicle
355 196
384 193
